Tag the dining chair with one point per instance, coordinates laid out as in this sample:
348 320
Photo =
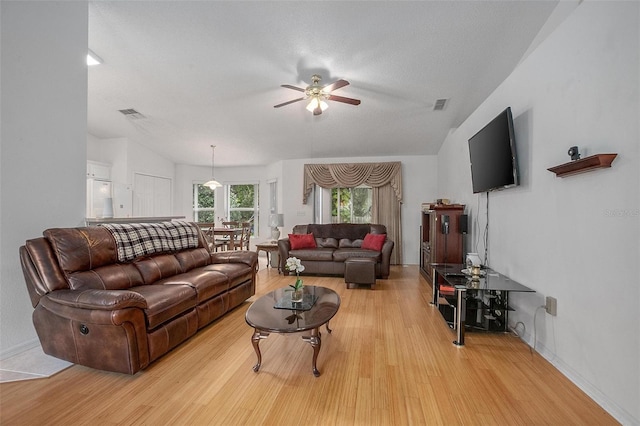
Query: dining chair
209 236
245 236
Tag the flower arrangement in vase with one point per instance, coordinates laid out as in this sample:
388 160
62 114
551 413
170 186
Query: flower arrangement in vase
294 265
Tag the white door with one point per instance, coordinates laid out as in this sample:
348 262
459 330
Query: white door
161 197
151 196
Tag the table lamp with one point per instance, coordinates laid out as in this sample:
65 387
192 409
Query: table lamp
276 220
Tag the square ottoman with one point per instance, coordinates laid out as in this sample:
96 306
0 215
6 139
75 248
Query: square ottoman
360 271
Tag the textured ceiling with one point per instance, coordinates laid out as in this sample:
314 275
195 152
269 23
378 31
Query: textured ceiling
209 72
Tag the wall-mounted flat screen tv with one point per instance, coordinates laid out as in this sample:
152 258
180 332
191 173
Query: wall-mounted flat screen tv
492 151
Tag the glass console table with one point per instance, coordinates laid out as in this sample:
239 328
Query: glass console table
475 303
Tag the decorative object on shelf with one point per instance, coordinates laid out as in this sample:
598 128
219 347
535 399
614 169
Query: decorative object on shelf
294 265
473 260
474 272
586 164
275 221
574 153
473 267
213 183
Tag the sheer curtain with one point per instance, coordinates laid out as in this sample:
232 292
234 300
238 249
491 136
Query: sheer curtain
384 178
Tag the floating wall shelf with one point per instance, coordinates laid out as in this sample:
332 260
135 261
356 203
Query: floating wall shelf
586 164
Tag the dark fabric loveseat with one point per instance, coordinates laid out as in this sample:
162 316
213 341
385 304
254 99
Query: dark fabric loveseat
336 243
118 297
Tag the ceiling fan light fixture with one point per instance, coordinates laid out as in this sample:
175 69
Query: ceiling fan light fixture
315 102
317 95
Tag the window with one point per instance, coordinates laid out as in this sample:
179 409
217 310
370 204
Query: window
351 205
203 203
243 202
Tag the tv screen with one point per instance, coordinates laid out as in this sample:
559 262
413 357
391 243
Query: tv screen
492 152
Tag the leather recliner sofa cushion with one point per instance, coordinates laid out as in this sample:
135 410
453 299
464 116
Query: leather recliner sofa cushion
320 254
165 302
207 284
341 255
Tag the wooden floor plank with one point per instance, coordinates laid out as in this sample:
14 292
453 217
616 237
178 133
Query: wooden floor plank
389 360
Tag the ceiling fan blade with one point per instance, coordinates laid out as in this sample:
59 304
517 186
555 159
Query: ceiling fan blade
288 86
287 103
335 85
344 100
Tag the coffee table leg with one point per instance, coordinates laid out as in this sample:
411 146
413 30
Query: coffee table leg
255 340
315 342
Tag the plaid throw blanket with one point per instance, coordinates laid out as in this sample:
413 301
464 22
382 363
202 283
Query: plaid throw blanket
134 240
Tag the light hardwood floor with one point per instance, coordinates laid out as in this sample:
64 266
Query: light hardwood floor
389 360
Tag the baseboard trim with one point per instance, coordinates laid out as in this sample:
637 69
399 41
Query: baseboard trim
29 363
18 349
610 406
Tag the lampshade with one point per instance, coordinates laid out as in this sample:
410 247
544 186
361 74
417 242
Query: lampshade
314 104
213 183
276 220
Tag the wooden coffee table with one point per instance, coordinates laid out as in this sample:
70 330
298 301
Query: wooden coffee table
293 318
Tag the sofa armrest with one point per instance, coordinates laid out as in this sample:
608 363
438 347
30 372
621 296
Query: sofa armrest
104 300
249 258
385 258
284 246
92 328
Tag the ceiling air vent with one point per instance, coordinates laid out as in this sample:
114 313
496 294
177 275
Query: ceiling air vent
440 104
132 114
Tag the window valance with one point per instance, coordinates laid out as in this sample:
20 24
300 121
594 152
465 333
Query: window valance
350 175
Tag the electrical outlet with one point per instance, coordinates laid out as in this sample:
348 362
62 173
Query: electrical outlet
552 306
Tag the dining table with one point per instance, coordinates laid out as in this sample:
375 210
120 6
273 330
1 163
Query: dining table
231 233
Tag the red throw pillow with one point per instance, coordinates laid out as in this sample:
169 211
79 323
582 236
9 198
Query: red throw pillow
302 241
374 241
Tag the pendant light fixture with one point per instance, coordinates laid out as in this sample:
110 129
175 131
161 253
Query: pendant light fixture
213 183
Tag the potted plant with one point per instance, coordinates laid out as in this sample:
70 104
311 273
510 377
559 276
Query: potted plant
294 265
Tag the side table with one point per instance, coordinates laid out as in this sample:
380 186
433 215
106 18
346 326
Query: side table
268 247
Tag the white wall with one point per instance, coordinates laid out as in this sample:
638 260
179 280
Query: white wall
128 157
43 151
574 238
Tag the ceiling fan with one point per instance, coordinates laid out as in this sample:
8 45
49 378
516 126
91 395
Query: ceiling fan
317 95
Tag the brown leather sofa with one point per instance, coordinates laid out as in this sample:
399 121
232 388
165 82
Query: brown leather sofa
335 243
94 309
